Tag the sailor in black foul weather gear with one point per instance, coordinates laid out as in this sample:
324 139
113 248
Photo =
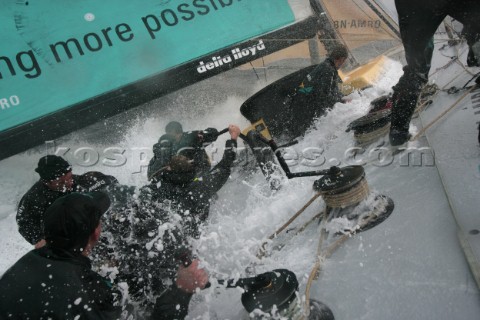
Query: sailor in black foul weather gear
56 180
418 21
319 91
176 142
189 194
143 241
56 281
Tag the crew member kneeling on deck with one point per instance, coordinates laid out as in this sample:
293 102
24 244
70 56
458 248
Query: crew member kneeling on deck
56 281
56 180
143 246
190 144
319 91
188 193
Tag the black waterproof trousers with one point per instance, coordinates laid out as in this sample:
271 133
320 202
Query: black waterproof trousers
418 20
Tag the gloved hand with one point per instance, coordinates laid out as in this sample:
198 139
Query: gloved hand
209 135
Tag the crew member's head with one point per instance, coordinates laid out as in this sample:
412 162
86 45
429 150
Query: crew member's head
56 173
339 55
95 181
174 129
180 170
72 222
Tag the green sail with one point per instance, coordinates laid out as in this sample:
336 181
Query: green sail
55 55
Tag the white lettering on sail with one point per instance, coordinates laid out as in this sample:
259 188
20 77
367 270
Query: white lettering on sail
236 54
7 103
357 24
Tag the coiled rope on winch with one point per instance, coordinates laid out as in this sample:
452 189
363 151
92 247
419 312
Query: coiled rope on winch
340 188
364 138
342 199
373 125
343 187
376 123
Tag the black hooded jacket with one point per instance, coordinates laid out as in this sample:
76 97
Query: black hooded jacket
144 236
51 283
190 196
141 243
191 144
33 204
317 94
31 208
321 85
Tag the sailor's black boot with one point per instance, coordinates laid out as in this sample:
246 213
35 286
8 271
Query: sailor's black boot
398 138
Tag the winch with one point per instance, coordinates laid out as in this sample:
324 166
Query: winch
343 187
275 295
374 124
344 190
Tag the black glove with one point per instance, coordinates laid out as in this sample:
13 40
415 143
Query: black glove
209 135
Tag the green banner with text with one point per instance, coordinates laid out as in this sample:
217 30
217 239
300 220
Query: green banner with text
56 53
